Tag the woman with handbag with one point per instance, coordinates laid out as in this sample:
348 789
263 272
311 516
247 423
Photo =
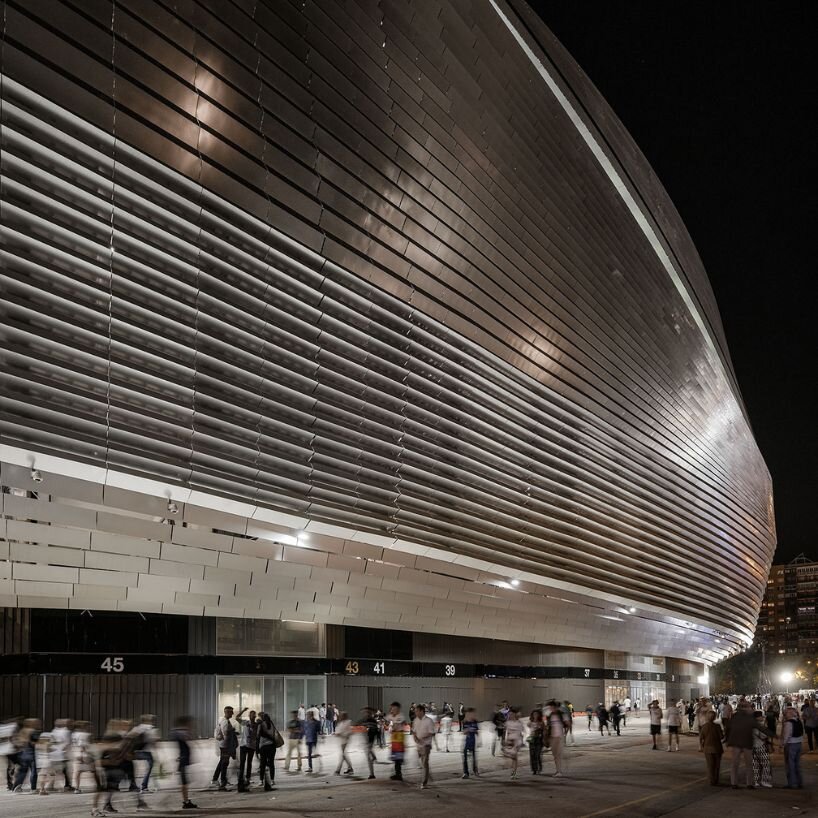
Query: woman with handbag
268 740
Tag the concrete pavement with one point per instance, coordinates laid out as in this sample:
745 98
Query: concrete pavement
616 777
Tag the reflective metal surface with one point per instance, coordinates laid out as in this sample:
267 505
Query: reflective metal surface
391 271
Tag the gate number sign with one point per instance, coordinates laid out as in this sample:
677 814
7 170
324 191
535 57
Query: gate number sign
113 664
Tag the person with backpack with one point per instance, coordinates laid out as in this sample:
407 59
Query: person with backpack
227 739
792 739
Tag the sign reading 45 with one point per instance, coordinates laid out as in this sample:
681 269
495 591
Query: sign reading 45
114 664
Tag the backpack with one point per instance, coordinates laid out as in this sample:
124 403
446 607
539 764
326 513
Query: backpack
797 728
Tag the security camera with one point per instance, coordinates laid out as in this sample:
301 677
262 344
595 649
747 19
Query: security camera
36 476
172 507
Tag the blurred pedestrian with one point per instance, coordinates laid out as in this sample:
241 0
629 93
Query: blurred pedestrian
182 734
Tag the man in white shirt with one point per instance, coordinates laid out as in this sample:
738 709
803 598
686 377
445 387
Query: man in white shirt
674 722
302 713
423 730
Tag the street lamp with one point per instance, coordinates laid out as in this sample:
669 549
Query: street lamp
786 678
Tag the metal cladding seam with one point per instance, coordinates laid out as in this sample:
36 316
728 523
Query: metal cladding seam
353 262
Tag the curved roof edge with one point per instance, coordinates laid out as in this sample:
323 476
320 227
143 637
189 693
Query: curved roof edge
634 169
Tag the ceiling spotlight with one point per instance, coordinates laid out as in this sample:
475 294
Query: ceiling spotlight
302 535
632 610
172 507
36 476
515 582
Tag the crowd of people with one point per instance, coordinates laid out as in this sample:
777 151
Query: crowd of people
747 727
123 759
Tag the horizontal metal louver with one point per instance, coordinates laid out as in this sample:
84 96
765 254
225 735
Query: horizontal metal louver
345 284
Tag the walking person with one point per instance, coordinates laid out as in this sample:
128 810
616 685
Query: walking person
343 732
181 734
311 729
295 732
602 719
513 739
143 740
423 731
369 725
248 741
84 762
26 742
461 716
711 738
655 714
114 759
567 710
739 739
809 715
60 754
397 725
556 728
792 741
589 712
616 716
268 741
471 729
536 741
762 773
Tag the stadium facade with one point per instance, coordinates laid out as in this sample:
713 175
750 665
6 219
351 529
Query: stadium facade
360 332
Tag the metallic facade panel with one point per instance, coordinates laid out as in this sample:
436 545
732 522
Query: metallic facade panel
383 275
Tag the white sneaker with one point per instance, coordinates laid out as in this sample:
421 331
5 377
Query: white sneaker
557 775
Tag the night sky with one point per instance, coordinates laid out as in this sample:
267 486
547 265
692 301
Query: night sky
722 98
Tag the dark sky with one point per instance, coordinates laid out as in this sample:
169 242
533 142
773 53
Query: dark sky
722 97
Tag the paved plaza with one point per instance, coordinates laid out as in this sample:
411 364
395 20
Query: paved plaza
617 777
